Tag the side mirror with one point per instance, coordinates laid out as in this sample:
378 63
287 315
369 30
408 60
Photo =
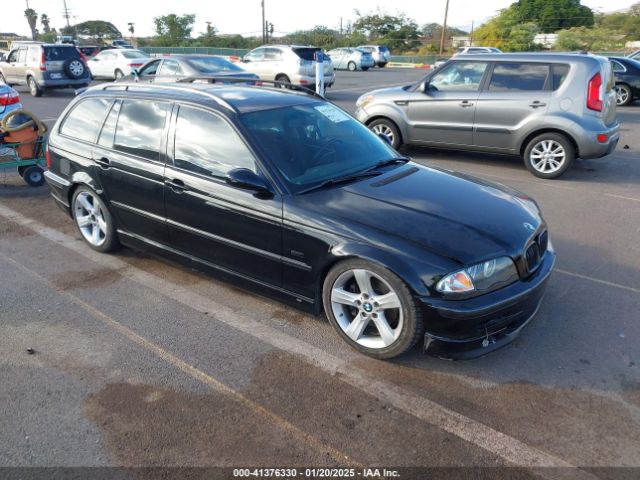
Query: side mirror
247 180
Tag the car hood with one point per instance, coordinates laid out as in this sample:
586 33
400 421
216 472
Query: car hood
450 214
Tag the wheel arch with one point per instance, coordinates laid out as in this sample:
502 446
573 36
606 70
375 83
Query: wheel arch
535 133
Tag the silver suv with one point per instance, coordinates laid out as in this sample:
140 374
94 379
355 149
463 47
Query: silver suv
380 53
547 108
42 66
288 63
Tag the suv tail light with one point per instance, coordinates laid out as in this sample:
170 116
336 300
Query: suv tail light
43 62
594 99
10 98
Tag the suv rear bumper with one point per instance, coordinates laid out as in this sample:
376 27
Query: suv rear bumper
310 82
590 147
64 82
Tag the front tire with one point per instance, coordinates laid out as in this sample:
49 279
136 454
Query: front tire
34 88
624 95
352 66
371 308
549 155
94 220
384 126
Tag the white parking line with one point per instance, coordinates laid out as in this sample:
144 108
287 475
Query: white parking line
597 280
502 445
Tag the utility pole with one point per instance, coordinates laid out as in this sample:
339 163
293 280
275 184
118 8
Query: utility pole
471 36
65 13
264 25
444 27
340 27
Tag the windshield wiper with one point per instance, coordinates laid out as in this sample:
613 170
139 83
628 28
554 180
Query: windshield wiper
389 161
336 181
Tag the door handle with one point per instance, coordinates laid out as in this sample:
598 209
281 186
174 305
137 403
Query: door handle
466 103
176 185
103 162
537 104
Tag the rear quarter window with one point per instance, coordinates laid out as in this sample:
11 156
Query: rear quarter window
140 128
559 74
306 53
85 119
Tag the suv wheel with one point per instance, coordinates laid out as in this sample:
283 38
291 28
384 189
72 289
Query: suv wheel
549 155
34 88
74 68
371 308
623 95
282 78
383 126
93 219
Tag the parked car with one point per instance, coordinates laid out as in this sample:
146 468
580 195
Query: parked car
351 59
121 44
476 50
43 66
380 53
9 100
285 193
626 72
116 63
635 55
288 63
179 67
89 50
547 108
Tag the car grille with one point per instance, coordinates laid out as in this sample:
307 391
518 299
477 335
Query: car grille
536 251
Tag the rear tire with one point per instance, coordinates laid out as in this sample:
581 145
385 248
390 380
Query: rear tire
364 69
549 155
371 308
118 74
386 127
282 78
34 88
33 175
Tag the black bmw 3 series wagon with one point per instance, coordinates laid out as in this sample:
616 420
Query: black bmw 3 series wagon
284 193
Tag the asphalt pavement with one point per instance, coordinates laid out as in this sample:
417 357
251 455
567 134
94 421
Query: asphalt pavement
140 362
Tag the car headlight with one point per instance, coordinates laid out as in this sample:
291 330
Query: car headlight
480 278
364 100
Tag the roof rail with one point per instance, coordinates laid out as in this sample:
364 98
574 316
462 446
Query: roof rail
147 86
251 82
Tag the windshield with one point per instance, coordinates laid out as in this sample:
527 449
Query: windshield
213 65
313 143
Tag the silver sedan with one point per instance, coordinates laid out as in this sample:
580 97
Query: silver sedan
351 59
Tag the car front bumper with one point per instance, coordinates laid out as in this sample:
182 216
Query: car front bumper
465 329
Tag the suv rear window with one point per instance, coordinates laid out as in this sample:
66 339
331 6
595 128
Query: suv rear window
560 72
85 120
514 77
306 53
57 53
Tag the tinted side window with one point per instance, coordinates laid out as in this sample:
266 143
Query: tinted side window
459 76
617 66
208 145
85 120
560 72
151 68
518 77
140 127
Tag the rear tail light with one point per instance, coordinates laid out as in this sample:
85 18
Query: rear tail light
594 97
133 64
82 55
602 137
47 156
43 62
9 99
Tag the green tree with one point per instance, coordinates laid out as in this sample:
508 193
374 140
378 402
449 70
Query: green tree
97 29
590 39
44 20
507 32
396 31
173 30
552 15
208 38
32 19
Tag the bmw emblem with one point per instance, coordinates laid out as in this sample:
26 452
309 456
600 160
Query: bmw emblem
529 227
367 307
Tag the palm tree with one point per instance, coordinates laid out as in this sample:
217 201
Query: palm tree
32 18
44 20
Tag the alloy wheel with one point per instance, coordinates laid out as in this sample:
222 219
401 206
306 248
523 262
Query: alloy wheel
385 130
90 218
367 308
547 156
622 95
